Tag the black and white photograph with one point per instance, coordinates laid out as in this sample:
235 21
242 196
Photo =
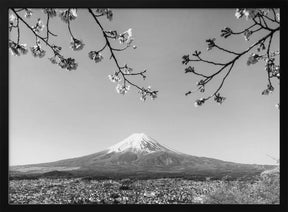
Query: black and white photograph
136 106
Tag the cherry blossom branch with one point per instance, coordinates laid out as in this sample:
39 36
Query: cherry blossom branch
124 88
67 15
67 64
36 35
272 69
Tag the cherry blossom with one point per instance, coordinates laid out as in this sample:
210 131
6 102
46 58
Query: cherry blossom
125 37
76 44
122 89
68 15
96 56
37 51
114 78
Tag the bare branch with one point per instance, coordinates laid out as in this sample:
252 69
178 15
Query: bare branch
225 50
207 61
223 80
69 28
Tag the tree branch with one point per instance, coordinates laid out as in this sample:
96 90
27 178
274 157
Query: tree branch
36 35
225 50
111 49
263 25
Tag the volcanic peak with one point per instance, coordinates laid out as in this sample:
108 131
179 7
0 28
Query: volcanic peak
138 143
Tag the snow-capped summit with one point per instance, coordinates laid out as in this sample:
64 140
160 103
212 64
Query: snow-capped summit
138 143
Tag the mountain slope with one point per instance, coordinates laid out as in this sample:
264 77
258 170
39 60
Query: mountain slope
140 154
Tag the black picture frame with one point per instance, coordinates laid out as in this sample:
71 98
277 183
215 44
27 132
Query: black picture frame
4 90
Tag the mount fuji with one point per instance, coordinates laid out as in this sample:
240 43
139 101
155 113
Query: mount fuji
138 143
138 156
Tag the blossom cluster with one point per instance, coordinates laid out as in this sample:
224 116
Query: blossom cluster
147 92
247 34
39 26
112 34
12 20
96 56
17 49
126 37
114 77
268 90
189 69
200 83
253 58
68 15
28 13
275 72
211 43
122 89
219 99
271 68
68 64
37 51
127 70
57 49
50 11
76 44
199 102
105 11
226 32
185 59
250 13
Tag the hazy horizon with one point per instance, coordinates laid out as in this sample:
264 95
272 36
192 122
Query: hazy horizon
57 115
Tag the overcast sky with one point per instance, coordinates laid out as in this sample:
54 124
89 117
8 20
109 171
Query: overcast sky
56 114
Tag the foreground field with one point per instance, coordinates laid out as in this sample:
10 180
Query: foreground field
264 190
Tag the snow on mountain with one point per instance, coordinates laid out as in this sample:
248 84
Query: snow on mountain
138 143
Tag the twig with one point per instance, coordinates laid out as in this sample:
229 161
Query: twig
18 31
